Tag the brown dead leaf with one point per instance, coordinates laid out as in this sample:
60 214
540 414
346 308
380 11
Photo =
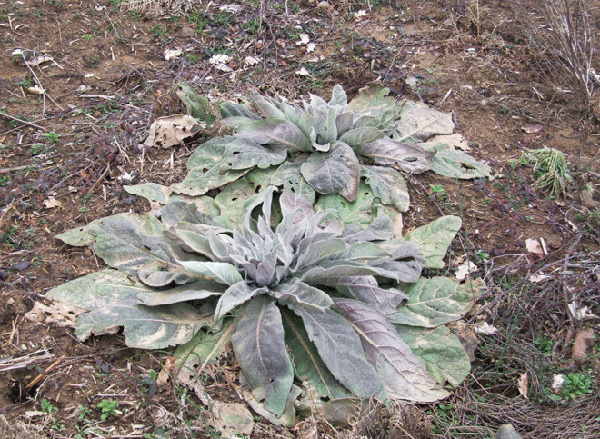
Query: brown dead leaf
232 420
164 374
522 384
51 202
163 378
57 312
534 246
467 337
170 364
168 131
584 341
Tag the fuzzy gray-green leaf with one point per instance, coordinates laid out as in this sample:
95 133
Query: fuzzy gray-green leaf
206 168
199 290
358 136
456 164
330 172
244 154
236 295
218 271
441 352
433 302
340 349
366 290
357 212
308 365
296 292
150 191
401 371
259 346
127 242
385 151
338 96
229 109
434 239
388 185
278 133
112 299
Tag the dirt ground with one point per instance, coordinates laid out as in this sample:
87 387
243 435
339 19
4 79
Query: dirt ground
65 156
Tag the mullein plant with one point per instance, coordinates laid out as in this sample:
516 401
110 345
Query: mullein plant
306 300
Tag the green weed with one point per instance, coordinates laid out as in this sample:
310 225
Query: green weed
25 82
36 149
481 257
252 26
438 191
590 220
48 407
574 386
52 137
543 344
109 408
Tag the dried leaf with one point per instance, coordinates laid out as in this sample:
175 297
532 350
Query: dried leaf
583 343
304 39
36 90
533 129
59 313
485 328
302 72
522 384
462 271
51 202
39 60
172 53
171 130
534 246
232 420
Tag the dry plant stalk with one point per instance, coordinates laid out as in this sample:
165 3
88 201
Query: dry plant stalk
573 41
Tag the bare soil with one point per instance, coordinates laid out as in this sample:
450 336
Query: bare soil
65 156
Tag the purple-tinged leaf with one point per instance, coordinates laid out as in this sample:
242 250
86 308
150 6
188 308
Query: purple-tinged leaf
359 136
340 349
199 290
245 153
259 346
292 201
277 132
236 295
332 172
411 158
318 251
218 271
299 293
308 365
388 185
366 289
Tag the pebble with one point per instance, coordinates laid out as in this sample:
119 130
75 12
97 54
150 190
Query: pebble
507 431
587 199
187 32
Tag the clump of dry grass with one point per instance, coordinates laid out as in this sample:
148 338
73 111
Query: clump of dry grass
572 41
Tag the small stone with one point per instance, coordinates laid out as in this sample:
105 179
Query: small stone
187 32
87 252
507 431
587 199
23 265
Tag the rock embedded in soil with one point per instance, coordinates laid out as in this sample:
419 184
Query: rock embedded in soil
507 431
